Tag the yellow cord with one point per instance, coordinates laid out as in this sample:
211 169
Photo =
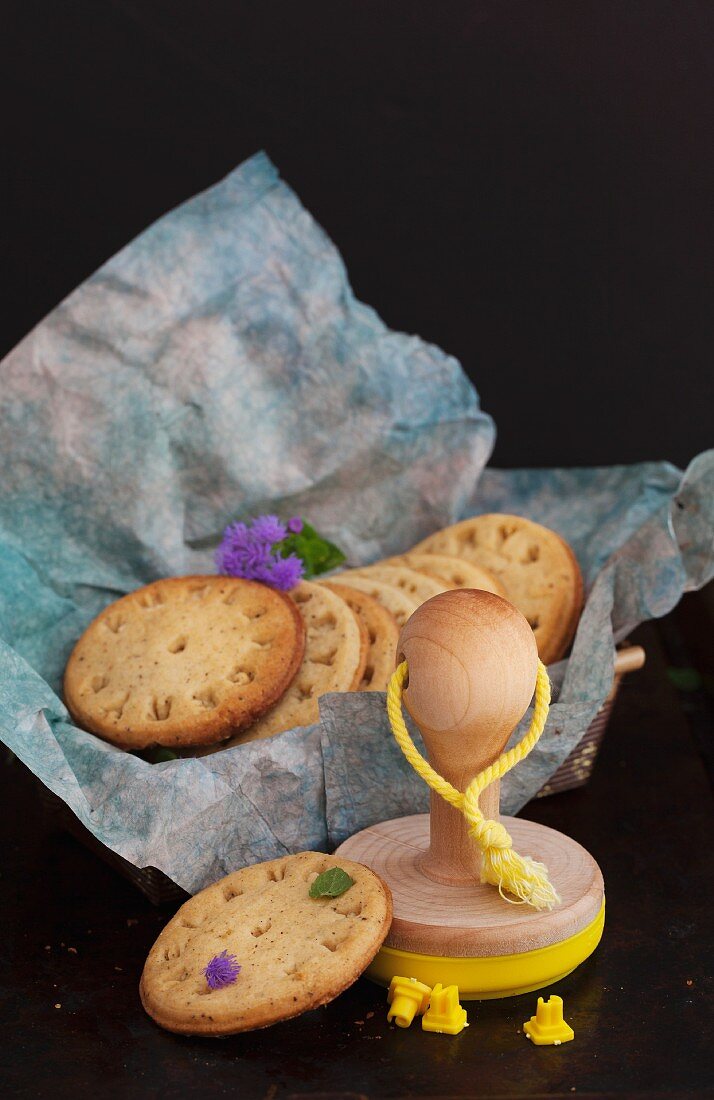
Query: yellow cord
521 876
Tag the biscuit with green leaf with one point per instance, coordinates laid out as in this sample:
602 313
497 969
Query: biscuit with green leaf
265 944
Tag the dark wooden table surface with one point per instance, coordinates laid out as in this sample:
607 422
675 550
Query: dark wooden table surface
74 936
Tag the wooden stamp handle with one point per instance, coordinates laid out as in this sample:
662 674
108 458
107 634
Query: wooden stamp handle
472 669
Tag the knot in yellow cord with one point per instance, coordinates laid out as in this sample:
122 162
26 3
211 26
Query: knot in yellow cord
519 876
490 834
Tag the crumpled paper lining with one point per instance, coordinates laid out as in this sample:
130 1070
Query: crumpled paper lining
220 366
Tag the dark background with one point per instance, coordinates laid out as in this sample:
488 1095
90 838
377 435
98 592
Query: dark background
528 184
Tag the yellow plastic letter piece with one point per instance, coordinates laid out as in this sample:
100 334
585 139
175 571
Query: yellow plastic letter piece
445 1015
407 997
547 1027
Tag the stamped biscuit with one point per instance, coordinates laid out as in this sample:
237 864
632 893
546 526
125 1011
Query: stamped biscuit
536 566
418 586
184 661
294 952
398 602
453 572
382 631
334 660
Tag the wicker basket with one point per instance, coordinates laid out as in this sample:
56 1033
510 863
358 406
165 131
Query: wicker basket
573 772
158 887
577 768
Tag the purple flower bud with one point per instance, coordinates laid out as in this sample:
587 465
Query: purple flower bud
253 552
286 572
295 525
222 970
268 529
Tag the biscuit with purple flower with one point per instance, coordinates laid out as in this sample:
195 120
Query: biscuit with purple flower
263 945
184 661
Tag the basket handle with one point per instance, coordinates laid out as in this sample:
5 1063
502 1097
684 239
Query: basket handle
629 659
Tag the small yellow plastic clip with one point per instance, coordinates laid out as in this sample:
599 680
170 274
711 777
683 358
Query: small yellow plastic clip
547 1027
408 997
445 1015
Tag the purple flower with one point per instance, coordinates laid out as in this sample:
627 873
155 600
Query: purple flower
240 554
222 970
253 551
286 572
295 525
268 529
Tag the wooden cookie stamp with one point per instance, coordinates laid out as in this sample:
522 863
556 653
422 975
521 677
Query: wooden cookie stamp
472 666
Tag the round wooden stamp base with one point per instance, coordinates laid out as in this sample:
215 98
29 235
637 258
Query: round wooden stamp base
473 920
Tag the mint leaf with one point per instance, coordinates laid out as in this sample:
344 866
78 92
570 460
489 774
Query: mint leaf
317 554
330 884
685 679
159 754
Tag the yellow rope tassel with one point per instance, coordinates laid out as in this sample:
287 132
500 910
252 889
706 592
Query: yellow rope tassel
520 876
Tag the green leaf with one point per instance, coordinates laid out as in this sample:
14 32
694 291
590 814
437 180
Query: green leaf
685 679
159 754
330 884
317 554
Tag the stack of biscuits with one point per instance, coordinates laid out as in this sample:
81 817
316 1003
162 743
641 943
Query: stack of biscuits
202 663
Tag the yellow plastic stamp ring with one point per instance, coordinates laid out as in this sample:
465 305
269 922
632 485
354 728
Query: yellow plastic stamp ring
488 977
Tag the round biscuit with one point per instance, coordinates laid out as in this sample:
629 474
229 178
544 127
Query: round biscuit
295 952
334 660
536 566
398 602
418 586
453 572
184 661
382 631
